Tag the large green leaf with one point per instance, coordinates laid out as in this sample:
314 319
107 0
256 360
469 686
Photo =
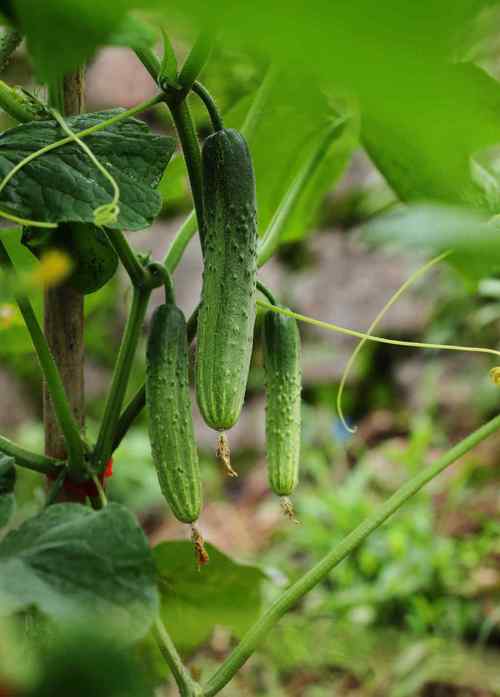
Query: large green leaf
432 229
286 129
193 602
82 662
428 139
71 562
62 34
63 185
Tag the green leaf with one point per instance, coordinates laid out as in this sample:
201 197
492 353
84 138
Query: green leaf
63 185
82 662
7 481
70 562
133 33
15 339
432 229
193 602
63 34
428 141
301 112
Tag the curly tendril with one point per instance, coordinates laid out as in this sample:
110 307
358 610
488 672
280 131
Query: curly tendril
107 214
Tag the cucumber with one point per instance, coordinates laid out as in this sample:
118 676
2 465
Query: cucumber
95 261
283 401
171 429
227 313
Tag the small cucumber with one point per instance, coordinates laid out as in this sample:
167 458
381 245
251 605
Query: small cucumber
170 419
95 261
283 401
227 312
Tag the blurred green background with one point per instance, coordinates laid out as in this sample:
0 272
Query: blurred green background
416 610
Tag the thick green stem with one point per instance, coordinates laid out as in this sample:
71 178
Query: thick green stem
191 150
150 61
266 292
138 401
180 242
121 373
137 272
252 119
187 686
291 596
65 418
25 458
210 105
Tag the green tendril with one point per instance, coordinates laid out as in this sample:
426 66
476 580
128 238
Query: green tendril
107 214
25 221
394 298
330 326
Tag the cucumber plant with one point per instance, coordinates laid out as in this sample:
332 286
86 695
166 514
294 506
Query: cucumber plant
74 182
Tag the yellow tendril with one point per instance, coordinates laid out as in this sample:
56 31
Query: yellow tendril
394 298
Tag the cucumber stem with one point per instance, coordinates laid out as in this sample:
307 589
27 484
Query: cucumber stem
187 686
223 454
121 373
209 102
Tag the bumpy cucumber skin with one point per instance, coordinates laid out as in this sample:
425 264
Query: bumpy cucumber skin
283 401
168 400
227 313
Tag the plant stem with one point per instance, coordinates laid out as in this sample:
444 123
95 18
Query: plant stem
137 272
25 458
187 686
271 239
179 109
189 226
123 366
180 242
191 151
210 105
138 401
51 373
291 596
150 61
266 292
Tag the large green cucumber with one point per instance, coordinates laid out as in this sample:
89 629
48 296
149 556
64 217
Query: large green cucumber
227 313
283 401
169 411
